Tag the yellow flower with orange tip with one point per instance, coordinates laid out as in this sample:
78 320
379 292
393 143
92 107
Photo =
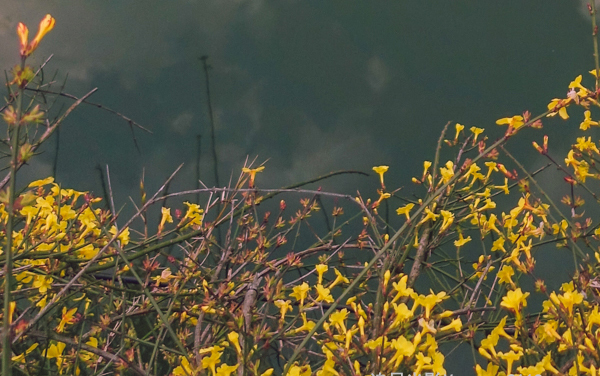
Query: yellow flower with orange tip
382 196
23 33
27 48
10 116
252 172
381 170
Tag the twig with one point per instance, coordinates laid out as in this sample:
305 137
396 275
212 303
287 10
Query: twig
102 107
49 133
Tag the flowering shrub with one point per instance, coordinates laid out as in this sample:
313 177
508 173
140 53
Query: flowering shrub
83 296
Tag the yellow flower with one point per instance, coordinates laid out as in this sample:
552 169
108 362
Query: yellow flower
337 318
23 33
576 84
459 128
569 299
381 170
561 104
67 318
306 326
491 370
587 122
405 210
123 236
462 240
584 144
226 370
510 358
212 360
27 48
300 292
447 172
296 370
166 217
185 369
505 274
284 306
41 183
429 301
88 252
321 269
55 351
514 300
33 116
234 339
429 215
448 219
324 294
515 122
339 278
382 196
455 325
401 288
476 132
194 214
426 165
21 357
42 283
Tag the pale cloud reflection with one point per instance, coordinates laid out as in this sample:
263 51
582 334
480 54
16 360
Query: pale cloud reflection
378 74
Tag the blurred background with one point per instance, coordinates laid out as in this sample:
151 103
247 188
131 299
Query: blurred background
310 86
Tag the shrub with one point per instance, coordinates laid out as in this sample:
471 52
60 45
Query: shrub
263 288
